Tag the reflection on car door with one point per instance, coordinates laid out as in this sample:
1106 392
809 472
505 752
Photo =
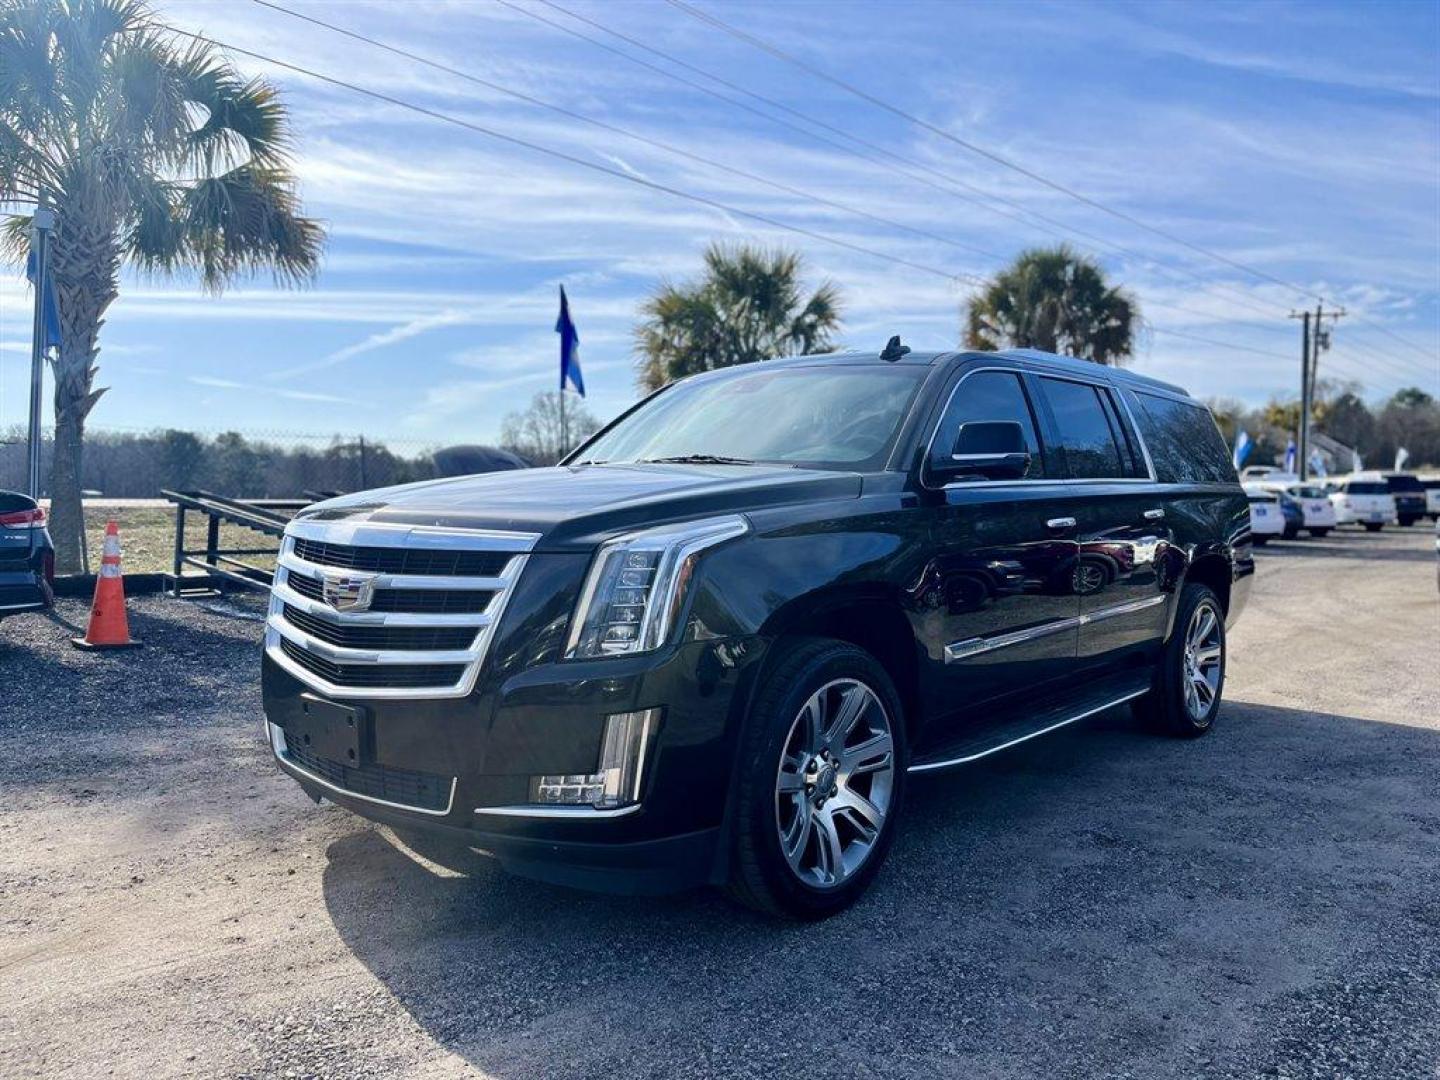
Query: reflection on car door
998 610
1122 534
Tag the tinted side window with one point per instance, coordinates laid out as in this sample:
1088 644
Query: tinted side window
988 395
1086 432
1183 441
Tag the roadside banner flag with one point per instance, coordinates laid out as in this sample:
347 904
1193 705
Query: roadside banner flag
569 348
1242 449
1401 456
1290 457
1317 463
52 312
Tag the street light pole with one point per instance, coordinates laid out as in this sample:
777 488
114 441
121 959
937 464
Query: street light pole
41 224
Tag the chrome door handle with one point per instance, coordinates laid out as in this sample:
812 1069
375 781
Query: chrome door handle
1154 515
1060 523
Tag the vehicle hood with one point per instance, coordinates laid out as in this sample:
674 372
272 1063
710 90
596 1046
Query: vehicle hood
575 507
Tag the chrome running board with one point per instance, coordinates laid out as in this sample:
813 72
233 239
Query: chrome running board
1003 737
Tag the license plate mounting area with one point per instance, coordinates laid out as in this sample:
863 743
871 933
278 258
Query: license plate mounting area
327 729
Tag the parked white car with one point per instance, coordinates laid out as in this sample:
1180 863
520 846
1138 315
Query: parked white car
1266 517
1362 499
1314 501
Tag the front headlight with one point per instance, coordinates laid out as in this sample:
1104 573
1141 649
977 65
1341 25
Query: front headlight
636 587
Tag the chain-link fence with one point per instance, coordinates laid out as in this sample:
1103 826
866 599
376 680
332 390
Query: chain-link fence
248 464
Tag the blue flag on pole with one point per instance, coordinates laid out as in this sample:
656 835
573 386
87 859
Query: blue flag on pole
52 312
569 348
1242 449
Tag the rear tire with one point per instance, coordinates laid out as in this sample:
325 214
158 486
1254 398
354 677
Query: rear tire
1370 526
1190 678
1259 541
1320 533
807 841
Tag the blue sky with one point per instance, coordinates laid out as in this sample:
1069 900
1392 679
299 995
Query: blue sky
1300 139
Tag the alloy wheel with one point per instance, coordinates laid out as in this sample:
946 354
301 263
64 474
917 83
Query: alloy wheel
834 784
1204 654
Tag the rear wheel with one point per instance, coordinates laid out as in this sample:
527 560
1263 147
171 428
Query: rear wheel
1259 541
1185 694
1318 533
822 774
1371 526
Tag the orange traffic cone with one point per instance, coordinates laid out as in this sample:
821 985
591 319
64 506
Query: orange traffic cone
108 628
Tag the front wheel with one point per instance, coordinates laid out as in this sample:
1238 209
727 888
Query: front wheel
1185 693
1371 526
1259 541
1320 533
822 771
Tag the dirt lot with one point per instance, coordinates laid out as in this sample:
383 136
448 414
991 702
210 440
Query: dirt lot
1262 902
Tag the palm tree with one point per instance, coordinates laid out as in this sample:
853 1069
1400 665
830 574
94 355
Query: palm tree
1057 300
746 307
151 152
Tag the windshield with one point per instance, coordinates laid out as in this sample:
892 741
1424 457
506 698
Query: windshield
827 416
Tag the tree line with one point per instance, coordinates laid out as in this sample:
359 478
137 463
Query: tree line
128 465
1409 419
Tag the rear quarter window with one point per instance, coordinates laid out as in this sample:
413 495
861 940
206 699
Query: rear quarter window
1184 443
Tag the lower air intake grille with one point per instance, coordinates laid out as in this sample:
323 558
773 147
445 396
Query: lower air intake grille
422 791
373 675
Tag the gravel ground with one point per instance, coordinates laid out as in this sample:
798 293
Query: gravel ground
1103 903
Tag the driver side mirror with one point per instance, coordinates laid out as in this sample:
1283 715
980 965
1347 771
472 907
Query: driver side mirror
994 449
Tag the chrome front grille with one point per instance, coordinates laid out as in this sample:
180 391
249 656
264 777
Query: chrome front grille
412 617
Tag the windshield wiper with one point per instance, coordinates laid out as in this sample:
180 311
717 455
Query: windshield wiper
696 459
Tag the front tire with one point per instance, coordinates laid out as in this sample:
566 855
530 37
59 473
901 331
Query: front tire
1320 533
1185 694
1371 526
822 775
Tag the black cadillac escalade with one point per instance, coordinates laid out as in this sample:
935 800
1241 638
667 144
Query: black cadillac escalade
711 645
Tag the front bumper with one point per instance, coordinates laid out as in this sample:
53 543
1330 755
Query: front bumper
474 758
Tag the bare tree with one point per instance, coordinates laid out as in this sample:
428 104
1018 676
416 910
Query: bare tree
537 434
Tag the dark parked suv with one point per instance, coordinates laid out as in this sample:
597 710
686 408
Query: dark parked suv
27 558
713 644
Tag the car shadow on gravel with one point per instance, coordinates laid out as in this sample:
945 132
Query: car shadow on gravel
1099 900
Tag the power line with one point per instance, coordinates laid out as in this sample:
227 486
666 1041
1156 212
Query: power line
561 155
1222 344
1039 178
436 114
881 103
887 158
615 128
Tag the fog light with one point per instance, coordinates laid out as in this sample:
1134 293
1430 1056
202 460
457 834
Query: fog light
616 779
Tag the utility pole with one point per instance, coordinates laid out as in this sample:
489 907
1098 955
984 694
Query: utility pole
1313 339
41 224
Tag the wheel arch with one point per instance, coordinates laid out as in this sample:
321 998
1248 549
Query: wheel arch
868 619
